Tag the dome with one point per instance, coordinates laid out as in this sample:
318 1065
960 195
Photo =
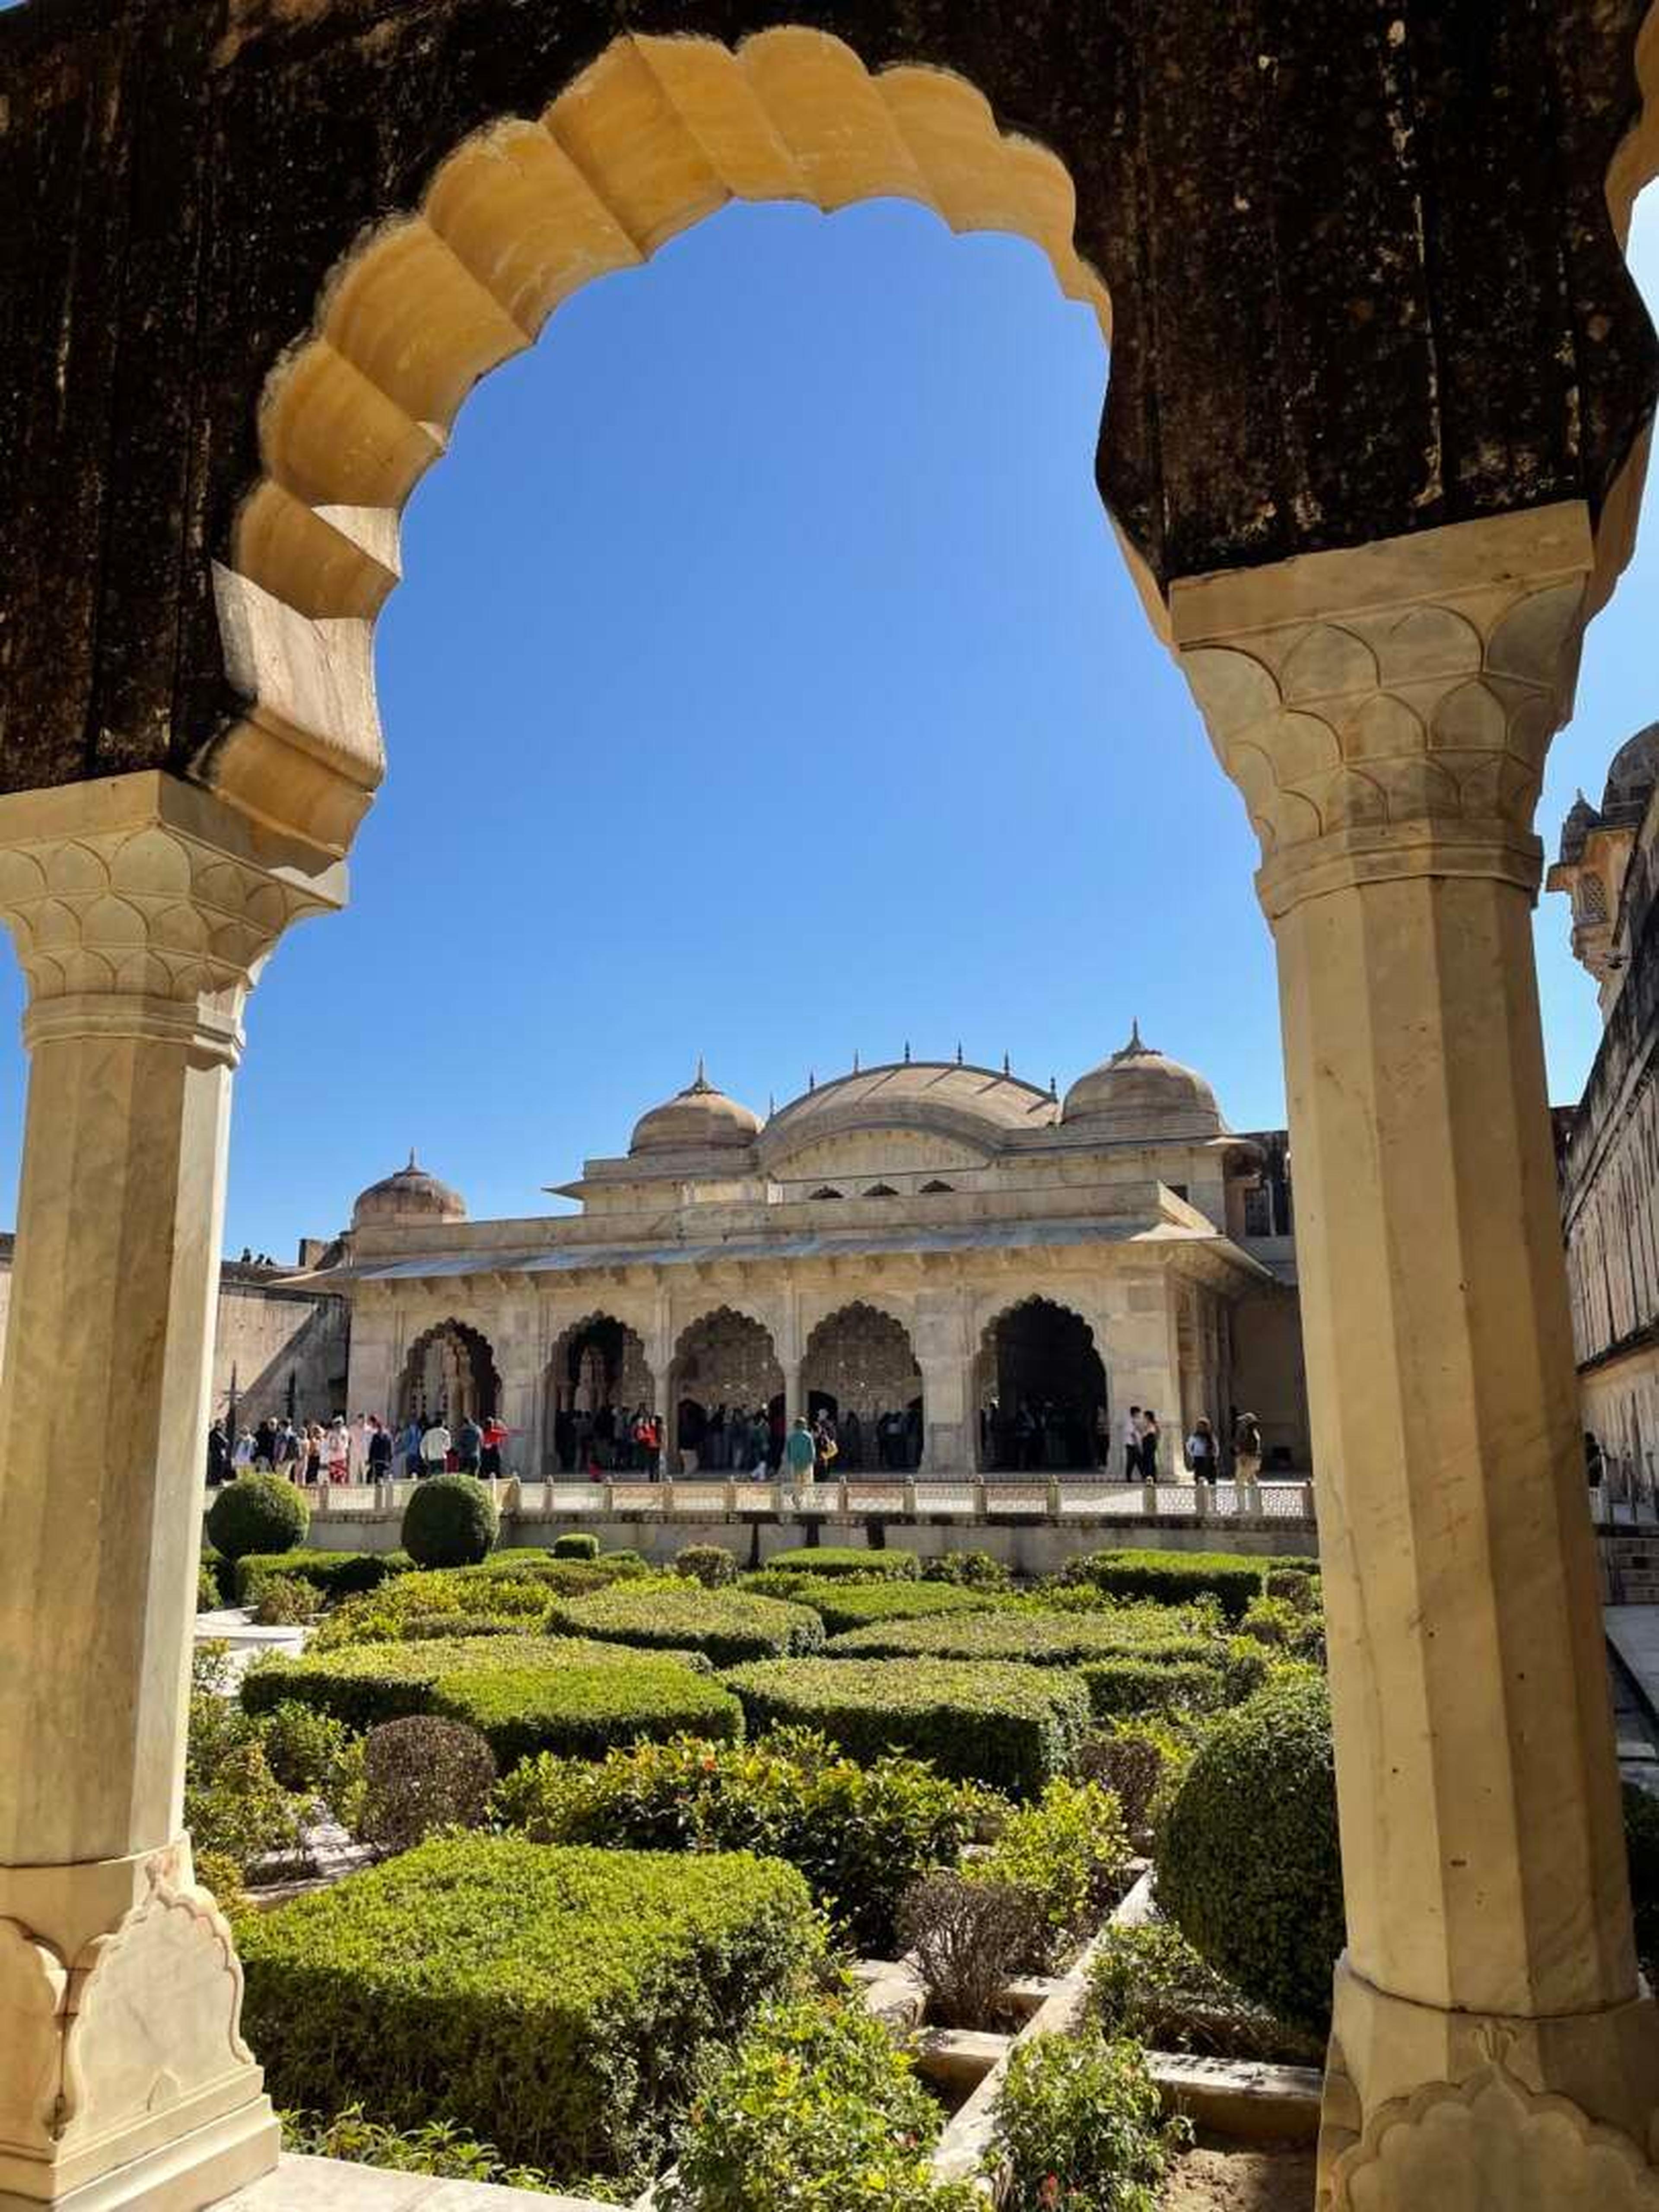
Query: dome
1140 1097
697 1119
411 1194
1634 772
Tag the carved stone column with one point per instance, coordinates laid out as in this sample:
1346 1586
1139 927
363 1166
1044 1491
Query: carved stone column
142 909
1385 712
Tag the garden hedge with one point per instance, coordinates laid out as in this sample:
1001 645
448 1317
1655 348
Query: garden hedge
335 1574
410 1604
1129 1684
729 1625
450 1520
1174 1577
1010 1726
843 1604
563 2003
846 1559
1040 1639
579 1544
257 1513
1249 1863
523 1693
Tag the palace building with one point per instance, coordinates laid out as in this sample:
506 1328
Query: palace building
1004 1270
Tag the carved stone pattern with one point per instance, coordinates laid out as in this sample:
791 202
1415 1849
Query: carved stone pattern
33 1983
1490 2144
146 911
1437 713
155 2011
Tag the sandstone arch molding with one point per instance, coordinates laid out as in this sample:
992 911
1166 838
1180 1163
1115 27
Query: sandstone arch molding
656 134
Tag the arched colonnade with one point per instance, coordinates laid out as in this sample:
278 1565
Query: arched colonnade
1372 540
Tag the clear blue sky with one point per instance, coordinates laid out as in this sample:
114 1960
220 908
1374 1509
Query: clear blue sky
766 683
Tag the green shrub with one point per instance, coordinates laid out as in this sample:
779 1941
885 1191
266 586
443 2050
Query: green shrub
1148 1984
711 1565
580 1544
1247 1858
858 1834
337 1574
308 1751
1642 1849
1119 1688
523 1693
842 1603
207 1587
450 1520
730 1626
822 1560
220 1569
438 2147
564 2004
1246 1667
1011 1727
1130 1759
1172 1577
240 1811
1080 2125
1069 1853
582 1712
968 1570
257 1513
817 2111
422 1774
529 1563
408 1606
1039 1638
284 1603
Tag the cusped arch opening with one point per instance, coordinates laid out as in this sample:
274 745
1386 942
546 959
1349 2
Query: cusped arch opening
1042 1396
655 135
449 1375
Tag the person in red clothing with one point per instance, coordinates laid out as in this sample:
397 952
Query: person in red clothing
495 1434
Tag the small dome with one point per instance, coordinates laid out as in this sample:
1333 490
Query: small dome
1634 772
411 1194
1139 1096
1580 821
697 1119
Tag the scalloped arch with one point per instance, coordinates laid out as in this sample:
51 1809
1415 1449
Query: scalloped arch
654 135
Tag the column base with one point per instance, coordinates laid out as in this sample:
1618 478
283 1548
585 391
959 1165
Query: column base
123 2077
1428 2110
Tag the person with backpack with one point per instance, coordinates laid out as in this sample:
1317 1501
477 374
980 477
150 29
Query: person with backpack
1247 1449
799 1456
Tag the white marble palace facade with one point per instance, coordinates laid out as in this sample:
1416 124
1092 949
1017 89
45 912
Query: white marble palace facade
925 1231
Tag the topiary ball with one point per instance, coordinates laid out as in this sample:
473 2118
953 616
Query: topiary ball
1248 1865
450 1520
257 1513
711 1565
582 1545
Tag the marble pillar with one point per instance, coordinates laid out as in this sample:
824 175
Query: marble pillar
1385 712
142 909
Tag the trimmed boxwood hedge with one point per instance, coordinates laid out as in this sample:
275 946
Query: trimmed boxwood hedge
1132 1685
1248 1862
846 1559
1174 1577
257 1513
1040 1639
562 2003
577 1544
525 1693
335 1574
846 1604
412 1603
729 1625
1012 1727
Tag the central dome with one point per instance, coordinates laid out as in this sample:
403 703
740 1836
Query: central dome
1142 1096
411 1194
697 1119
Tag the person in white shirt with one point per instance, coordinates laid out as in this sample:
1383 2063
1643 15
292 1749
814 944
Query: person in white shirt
435 1447
1132 1445
242 1457
1201 1456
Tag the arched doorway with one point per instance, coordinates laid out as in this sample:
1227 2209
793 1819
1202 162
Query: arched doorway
726 1395
1041 1392
861 1368
450 1374
598 1375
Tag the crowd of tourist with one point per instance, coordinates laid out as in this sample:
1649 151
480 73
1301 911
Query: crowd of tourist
367 1449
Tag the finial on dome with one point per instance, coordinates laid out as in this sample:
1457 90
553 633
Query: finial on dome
699 1085
958 1052
811 1079
771 1105
1005 1067
1136 1045
1054 1086
409 1169
906 1052
856 1070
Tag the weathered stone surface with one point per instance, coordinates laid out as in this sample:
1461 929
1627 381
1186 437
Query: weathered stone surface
1345 304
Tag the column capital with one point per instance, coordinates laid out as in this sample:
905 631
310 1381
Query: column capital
143 906
1385 710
